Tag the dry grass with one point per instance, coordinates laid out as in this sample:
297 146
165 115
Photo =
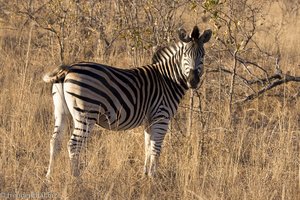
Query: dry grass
256 158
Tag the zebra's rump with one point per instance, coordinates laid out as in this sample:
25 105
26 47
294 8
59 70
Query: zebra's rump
57 75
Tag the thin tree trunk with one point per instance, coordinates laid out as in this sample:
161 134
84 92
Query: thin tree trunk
232 84
190 119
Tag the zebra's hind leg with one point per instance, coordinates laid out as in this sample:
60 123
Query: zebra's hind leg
147 150
55 143
61 114
82 129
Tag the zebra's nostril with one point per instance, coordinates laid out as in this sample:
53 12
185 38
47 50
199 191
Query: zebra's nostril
194 78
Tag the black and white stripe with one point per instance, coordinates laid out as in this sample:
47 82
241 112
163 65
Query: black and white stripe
121 99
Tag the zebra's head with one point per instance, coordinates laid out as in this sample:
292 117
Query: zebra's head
191 60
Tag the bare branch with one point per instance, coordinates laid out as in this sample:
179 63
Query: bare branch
281 79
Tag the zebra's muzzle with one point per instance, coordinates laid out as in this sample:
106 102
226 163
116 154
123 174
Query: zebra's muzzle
193 79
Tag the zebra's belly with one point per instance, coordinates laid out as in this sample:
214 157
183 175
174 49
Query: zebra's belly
118 121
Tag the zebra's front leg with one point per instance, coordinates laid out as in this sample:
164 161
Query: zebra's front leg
155 149
157 135
80 134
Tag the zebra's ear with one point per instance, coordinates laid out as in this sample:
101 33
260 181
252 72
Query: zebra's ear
195 33
205 37
183 36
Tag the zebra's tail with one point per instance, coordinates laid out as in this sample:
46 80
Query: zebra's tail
57 75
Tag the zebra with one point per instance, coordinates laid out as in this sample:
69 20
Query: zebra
122 99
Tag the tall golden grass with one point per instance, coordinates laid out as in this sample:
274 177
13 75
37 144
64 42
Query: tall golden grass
255 158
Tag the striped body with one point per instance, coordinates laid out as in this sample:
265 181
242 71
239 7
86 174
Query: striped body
122 99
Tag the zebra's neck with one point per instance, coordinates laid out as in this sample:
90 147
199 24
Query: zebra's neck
167 60
167 66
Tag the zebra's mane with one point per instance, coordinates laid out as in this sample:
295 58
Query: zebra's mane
164 52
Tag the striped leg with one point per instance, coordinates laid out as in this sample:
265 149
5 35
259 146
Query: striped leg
81 132
147 150
158 132
55 142
60 113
